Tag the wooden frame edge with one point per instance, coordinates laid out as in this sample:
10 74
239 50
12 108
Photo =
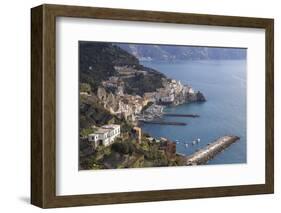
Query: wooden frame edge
43 180
36 106
269 119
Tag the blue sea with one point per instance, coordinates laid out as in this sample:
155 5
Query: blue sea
223 83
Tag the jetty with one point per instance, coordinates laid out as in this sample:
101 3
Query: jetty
181 115
165 123
211 150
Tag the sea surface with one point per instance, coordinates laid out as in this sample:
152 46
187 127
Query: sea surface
223 83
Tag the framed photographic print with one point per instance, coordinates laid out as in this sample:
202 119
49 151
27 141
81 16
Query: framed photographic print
136 106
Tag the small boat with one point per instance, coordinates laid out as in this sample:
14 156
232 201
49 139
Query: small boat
198 139
193 142
186 145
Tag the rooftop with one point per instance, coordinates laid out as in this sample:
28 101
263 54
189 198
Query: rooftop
102 131
111 126
106 128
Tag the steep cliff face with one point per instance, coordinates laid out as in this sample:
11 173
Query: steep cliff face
108 100
200 97
185 97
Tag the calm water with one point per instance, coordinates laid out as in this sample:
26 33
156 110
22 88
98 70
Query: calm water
224 85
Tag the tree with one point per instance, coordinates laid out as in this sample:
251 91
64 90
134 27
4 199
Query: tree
84 87
85 132
124 147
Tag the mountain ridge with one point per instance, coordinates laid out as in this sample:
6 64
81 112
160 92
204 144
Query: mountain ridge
175 52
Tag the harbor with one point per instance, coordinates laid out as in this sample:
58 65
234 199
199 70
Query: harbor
154 115
223 114
211 150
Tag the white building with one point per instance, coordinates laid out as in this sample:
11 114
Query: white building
104 135
167 98
85 94
190 90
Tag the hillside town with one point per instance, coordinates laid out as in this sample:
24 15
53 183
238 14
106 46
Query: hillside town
122 104
113 97
148 106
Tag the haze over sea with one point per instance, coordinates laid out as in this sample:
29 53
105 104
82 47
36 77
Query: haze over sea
223 83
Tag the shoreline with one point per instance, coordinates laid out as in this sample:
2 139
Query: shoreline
156 111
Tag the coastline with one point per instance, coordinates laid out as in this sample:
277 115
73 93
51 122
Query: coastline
131 93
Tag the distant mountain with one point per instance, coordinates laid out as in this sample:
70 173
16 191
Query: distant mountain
172 52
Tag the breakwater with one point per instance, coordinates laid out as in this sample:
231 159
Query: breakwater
182 115
165 123
211 150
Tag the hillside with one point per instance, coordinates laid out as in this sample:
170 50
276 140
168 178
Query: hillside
97 62
116 89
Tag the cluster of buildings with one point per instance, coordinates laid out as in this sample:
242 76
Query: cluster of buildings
115 83
104 135
128 71
120 104
135 102
169 93
131 106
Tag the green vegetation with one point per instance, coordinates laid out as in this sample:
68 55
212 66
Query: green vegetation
126 147
85 132
155 156
125 153
93 113
97 61
140 83
84 87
